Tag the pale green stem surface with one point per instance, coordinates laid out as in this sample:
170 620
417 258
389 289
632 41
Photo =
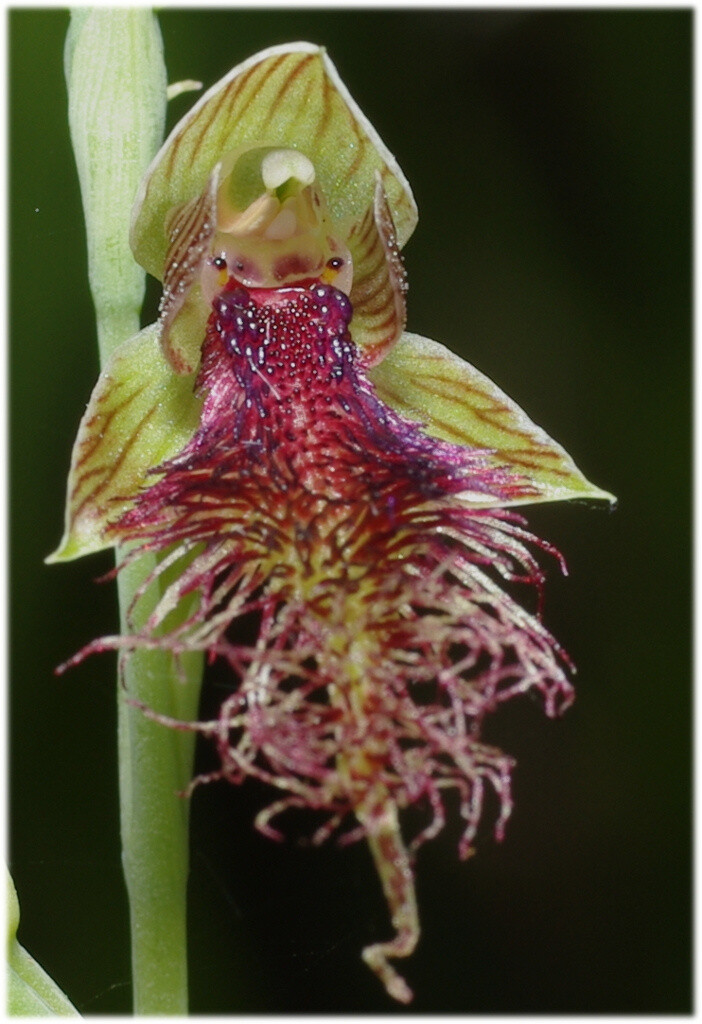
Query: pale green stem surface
117 98
154 763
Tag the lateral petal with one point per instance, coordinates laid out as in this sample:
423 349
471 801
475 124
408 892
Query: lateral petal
379 281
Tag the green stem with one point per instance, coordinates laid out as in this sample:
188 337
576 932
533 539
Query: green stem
155 762
117 97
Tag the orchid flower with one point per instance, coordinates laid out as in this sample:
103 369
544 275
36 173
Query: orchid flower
297 460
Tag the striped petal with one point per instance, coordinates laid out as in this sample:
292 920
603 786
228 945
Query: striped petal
190 229
425 381
139 414
288 96
379 281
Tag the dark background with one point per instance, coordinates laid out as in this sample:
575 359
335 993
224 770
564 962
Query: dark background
549 152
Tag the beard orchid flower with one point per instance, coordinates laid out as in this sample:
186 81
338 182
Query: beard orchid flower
299 461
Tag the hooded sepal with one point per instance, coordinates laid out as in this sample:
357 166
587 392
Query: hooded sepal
425 381
286 96
140 413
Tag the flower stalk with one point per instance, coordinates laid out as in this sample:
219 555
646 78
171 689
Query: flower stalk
117 98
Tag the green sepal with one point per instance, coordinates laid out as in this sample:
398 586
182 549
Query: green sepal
140 413
425 381
288 96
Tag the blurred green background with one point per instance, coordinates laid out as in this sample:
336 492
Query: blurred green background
549 152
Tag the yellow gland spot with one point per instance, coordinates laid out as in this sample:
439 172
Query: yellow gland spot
331 271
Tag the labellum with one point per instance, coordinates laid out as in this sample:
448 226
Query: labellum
304 464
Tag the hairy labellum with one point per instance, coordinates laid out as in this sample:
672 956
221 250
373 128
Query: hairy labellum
384 635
